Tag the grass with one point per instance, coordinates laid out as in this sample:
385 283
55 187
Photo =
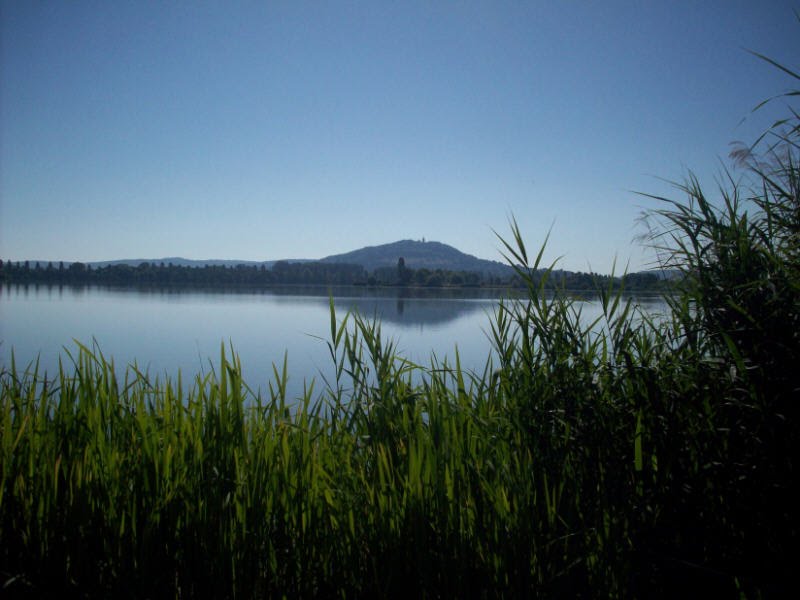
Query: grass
625 457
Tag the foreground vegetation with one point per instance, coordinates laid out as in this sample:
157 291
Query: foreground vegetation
628 457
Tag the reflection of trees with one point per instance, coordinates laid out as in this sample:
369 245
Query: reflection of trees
399 306
412 311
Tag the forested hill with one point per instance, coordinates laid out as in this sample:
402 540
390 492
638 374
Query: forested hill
419 255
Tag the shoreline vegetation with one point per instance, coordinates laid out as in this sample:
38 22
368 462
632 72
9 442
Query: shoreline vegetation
150 274
629 457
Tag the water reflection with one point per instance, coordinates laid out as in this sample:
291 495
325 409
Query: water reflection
400 306
404 307
166 330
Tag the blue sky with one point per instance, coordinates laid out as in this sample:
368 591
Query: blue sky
284 129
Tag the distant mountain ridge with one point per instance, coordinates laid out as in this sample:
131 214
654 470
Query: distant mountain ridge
418 255
190 262
177 261
426 265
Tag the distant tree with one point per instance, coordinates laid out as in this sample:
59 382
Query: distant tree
435 279
403 274
472 279
77 272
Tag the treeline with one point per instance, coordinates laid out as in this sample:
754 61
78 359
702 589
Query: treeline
161 274
304 273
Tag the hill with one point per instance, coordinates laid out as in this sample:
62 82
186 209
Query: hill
419 255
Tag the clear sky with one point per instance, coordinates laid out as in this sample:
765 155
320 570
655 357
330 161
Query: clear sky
269 130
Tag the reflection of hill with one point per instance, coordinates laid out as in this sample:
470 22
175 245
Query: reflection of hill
412 311
439 293
401 307
404 307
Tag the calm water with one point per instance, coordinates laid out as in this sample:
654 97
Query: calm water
164 331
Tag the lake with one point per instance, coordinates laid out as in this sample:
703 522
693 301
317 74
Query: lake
167 330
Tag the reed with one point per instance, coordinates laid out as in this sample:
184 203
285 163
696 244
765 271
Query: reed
632 456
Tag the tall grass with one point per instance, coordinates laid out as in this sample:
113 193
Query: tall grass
625 457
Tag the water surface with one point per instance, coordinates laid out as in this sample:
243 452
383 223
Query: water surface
163 331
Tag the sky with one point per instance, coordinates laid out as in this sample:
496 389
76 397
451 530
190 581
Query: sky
268 130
